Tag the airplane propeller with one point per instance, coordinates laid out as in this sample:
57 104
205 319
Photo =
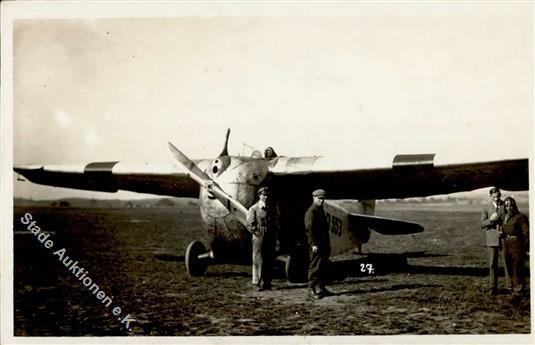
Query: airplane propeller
192 170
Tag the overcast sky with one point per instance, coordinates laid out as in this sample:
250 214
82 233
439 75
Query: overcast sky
408 79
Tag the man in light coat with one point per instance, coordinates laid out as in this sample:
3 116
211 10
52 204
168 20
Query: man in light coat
262 223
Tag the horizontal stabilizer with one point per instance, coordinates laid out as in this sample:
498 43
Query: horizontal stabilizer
384 226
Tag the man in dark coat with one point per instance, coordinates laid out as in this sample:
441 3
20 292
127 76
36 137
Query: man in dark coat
491 221
262 223
319 246
516 243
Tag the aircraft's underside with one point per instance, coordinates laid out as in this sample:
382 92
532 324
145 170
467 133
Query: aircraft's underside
228 241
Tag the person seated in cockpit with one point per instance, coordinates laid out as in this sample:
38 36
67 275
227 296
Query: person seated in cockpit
269 153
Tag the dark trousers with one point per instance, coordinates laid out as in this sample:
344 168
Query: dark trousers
493 255
317 270
514 260
267 264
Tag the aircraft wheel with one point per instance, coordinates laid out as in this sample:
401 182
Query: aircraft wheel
196 267
295 270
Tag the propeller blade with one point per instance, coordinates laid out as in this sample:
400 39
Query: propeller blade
192 170
233 205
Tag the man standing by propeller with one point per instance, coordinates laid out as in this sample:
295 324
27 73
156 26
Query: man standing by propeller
262 223
317 229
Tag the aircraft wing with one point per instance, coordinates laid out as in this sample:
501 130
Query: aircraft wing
402 176
112 176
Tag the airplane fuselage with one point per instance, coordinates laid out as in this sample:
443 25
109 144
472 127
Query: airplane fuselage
227 187
240 177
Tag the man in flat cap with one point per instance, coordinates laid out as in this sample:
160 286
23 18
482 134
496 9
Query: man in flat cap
317 229
262 223
491 222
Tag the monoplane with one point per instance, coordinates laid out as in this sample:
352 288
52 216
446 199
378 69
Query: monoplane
226 186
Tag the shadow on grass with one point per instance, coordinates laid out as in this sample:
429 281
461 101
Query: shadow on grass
374 280
293 286
453 271
391 288
418 254
457 271
169 257
369 265
227 274
382 264
422 254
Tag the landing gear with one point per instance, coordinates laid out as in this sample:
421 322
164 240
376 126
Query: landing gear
196 259
295 269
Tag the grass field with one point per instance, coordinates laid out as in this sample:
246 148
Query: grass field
136 257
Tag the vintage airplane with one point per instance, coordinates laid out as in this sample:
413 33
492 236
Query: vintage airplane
226 186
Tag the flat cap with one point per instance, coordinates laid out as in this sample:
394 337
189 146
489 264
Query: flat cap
263 189
320 193
494 190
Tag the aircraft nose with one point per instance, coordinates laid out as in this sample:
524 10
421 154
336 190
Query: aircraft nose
218 166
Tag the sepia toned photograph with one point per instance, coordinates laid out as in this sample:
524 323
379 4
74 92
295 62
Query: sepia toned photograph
225 172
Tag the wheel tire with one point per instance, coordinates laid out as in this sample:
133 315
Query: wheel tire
295 270
196 267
